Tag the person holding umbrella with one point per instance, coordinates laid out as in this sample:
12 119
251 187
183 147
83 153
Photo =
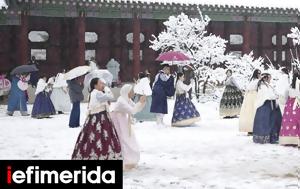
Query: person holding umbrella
163 87
17 95
75 78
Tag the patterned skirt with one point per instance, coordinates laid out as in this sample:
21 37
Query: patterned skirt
231 102
267 123
185 112
290 129
98 140
42 107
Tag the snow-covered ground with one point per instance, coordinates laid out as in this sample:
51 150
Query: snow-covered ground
209 155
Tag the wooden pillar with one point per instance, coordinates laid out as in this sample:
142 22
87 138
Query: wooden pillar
246 36
81 39
116 40
259 39
278 45
226 35
136 45
23 46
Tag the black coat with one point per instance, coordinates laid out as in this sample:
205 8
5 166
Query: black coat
75 91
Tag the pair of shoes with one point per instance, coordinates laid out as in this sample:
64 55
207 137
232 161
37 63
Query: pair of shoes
60 112
9 114
26 114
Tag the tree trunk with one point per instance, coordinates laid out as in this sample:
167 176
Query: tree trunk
204 85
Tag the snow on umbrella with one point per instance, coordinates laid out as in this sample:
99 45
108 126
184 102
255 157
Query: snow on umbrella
172 56
24 69
101 74
77 72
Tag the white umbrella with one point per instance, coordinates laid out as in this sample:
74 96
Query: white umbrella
101 74
77 72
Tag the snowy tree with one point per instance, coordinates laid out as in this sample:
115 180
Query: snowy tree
295 36
189 35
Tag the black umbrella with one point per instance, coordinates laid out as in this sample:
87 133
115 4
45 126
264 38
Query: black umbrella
24 69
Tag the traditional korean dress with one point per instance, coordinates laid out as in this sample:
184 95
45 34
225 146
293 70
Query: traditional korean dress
163 88
185 113
98 139
282 88
248 109
143 88
42 107
232 99
5 85
17 95
60 96
290 129
268 117
121 115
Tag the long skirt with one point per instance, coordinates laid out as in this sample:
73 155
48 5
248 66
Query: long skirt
61 100
145 114
185 112
42 107
231 102
129 145
290 129
97 140
267 123
248 111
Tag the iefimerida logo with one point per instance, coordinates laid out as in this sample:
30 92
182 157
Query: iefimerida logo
33 175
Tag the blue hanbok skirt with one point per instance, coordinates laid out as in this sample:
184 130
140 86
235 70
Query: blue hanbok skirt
185 112
43 106
267 123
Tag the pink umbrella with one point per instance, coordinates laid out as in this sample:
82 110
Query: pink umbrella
172 56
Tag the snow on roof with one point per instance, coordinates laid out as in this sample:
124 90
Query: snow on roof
285 4
3 4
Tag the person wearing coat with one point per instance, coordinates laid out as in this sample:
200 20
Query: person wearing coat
121 115
43 106
267 121
248 109
76 96
17 95
98 139
185 112
163 87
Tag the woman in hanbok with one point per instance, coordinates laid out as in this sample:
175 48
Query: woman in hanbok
143 88
42 107
59 95
248 109
121 115
267 119
185 112
282 88
232 98
17 95
290 128
163 87
98 139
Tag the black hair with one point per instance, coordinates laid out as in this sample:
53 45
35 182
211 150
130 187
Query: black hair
142 75
93 82
255 74
294 80
285 70
179 75
263 79
42 76
229 70
166 66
